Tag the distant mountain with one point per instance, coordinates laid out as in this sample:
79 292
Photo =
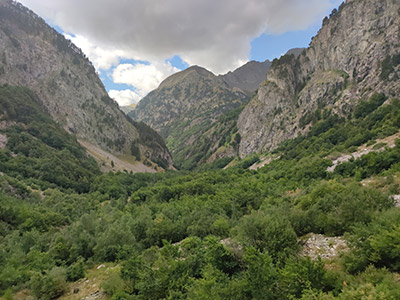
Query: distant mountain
295 51
127 108
184 106
247 77
34 55
355 53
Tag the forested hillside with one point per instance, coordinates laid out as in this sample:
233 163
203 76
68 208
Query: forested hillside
215 234
36 149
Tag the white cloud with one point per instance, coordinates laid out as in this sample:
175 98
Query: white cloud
102 58
144 78
124 97
210 33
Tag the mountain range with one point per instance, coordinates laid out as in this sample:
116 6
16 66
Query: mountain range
203 117
354 54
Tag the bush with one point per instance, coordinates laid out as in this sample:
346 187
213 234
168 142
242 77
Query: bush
268 233
76 271
50 285
376 243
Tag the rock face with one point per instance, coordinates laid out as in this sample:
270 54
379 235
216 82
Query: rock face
356 52
248 77
34 55
184 107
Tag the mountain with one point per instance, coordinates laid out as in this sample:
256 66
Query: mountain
127 109
34 55
184 107
355 53
247 77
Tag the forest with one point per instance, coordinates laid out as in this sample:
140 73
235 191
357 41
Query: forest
208 233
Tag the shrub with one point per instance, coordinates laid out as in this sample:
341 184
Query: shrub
366 107
268 232
50 285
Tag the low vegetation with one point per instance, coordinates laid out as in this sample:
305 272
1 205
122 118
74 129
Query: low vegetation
210 234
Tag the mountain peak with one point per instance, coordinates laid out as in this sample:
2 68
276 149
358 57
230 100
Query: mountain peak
295 51
192 73
247 77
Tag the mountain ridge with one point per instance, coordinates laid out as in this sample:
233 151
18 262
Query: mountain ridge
34 55
247 77
343 65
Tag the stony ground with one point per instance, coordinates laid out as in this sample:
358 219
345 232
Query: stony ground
3 141
109 162
318 245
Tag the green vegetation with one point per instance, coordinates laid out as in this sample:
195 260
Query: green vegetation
365 108
38 151
209 137
388 65
212 234
151 139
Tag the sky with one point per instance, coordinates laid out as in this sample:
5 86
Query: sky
135 44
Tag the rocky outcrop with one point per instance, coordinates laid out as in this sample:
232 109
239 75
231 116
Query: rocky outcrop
318 245
356 52
34 55
184 107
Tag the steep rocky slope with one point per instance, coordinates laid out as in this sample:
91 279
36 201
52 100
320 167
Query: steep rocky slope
356 52
247 77
34 147
34 55
183 108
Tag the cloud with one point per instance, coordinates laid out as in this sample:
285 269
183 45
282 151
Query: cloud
214 34
124 97
143 77
102 58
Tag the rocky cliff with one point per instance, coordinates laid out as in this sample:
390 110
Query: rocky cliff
356 52
34 55
184 107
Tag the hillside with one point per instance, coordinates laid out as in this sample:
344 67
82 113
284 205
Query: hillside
34 55
355 53
35 149
184 106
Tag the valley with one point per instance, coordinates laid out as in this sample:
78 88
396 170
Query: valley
278 180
